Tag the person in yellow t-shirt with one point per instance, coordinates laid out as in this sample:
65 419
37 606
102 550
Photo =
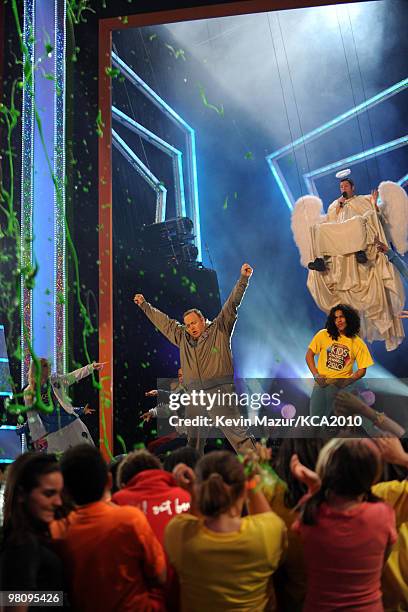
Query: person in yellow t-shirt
338 347
395 493
224 561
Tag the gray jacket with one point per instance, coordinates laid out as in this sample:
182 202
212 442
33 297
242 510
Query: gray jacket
205 362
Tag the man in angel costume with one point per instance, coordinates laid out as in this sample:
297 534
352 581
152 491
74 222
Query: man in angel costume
345 265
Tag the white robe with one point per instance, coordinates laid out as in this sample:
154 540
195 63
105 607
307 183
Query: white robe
375 288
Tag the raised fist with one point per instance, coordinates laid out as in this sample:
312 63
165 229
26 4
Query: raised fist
246 270
139 299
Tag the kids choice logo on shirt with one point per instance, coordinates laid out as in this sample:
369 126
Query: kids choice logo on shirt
338 356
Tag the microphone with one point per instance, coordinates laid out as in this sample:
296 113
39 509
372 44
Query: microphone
343 195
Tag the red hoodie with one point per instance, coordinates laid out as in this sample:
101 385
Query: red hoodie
155 492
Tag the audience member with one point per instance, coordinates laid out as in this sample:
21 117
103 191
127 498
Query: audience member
143 483
349 403
113 468
290 578
224 562
187 455
347 532
32 496
395 493
110 552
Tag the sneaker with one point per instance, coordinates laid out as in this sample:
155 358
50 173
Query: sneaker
318 265
361 257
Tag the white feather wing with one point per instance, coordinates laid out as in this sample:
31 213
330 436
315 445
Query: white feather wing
306 213
395 214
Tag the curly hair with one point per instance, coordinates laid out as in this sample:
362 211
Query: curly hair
352 319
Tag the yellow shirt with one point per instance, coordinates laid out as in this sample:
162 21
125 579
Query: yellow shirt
225 571
395 574
337 357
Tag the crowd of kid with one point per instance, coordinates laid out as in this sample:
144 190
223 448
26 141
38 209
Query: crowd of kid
317 527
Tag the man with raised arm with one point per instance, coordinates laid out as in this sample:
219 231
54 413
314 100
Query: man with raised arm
206 359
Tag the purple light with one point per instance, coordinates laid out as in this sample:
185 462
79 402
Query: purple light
288 411
368 397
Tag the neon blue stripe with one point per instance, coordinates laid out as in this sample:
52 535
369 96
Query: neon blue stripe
352 112
284 189
145 173
164 146
354 159
403 180
272 158
191 144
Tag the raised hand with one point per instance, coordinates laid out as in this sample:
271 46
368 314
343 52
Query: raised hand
184 476
321 381
305 475
392 450
254 458
374 198
139 299
88 409
98 366
246 270
152 393
381 247
348 403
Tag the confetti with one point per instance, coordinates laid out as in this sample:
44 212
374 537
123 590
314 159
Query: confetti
122 443
176 52
112 72
218 109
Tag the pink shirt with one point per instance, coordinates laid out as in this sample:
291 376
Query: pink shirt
344 554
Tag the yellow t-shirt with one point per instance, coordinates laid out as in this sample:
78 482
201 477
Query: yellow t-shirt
337 357
395 574
225 571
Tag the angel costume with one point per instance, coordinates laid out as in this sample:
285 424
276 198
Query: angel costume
373 288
